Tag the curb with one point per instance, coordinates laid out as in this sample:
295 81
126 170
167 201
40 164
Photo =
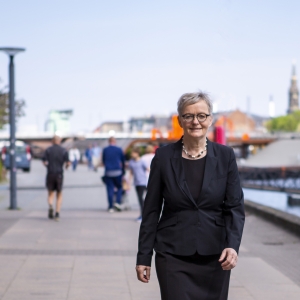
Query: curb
283 219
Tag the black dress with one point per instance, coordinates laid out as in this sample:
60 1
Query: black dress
195 277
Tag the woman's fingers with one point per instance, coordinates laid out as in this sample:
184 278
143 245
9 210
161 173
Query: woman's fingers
143 273
148 269
231 259
228 265
223 255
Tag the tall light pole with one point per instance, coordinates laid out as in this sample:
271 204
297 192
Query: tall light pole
11 52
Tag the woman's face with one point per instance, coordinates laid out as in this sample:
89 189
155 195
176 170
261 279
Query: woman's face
194 128
134 155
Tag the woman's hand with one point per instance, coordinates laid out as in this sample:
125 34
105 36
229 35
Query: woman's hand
143 273
228 259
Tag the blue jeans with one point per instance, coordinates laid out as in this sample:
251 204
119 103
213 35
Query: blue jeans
90 164
74 164
111 184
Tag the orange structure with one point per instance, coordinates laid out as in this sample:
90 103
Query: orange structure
176 132
154 133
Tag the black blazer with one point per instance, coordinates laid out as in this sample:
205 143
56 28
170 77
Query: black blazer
184 226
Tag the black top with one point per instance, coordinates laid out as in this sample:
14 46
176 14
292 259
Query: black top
56 156
194 173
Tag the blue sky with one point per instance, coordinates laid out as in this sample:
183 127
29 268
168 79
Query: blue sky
109 60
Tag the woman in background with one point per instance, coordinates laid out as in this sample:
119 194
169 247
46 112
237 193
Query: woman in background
138 171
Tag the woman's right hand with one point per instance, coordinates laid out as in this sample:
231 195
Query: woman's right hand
143 273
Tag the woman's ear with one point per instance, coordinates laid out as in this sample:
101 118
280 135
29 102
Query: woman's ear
179 121
210 121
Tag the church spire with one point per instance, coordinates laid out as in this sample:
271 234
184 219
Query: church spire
294 69
293 92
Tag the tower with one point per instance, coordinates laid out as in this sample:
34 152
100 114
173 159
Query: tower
293 93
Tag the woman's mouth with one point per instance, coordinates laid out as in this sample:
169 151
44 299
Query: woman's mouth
194 129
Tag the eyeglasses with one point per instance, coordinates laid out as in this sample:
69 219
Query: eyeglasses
188 118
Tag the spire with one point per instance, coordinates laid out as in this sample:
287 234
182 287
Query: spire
293 91
294 69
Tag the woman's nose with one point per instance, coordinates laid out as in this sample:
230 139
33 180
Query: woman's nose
195 121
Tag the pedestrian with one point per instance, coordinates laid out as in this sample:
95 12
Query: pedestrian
74 157
88 154
54 159
147 159
96 153
114 162
138 171
193 213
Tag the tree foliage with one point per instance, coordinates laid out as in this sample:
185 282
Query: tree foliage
4 108
288 123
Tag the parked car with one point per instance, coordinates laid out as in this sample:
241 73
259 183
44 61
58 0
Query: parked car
23 156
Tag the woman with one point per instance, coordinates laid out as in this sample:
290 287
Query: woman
197 234
147 158
138 171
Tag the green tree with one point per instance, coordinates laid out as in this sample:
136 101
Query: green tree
288 123
4 108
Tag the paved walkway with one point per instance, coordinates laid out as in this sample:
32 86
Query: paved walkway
90 254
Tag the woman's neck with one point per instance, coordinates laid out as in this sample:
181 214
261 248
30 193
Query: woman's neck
194 144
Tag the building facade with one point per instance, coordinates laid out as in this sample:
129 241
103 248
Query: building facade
59 120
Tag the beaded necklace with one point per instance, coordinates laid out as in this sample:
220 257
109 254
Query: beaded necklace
193 156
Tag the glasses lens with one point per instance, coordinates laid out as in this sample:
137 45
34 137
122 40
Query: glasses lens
188 118
201 117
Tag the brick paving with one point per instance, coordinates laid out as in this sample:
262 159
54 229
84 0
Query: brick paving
90 254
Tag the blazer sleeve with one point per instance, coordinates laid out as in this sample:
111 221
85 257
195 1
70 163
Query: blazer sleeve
234 206
151 213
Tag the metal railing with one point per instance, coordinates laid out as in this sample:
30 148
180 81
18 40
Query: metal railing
285 179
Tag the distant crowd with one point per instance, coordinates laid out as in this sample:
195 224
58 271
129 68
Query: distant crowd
115 164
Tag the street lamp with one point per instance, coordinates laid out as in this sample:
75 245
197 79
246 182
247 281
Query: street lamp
11 52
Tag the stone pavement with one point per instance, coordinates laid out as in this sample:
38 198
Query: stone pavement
90 254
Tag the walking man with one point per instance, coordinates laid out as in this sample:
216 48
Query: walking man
54 159
88 155
114 163
74 157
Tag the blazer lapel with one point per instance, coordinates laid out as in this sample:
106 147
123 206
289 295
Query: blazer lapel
210 165
177 166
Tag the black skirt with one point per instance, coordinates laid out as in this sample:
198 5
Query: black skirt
193 277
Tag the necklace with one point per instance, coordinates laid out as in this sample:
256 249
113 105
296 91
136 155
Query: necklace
193 156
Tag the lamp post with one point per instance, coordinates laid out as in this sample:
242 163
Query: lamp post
11 52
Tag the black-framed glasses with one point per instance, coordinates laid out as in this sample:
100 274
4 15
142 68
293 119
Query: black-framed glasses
190 118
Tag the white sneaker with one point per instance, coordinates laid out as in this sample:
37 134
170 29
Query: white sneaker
111 210
118 207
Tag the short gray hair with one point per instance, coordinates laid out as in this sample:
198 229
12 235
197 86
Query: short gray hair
192 98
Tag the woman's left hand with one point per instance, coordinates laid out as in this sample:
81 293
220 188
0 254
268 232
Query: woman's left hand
228 259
